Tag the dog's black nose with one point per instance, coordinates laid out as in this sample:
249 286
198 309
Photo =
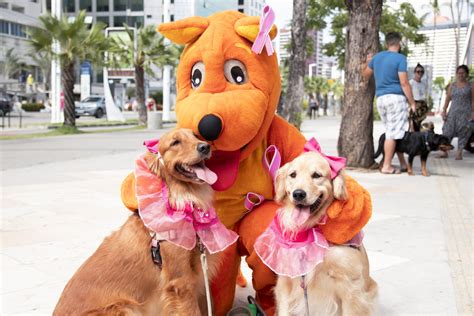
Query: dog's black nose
203 148
210 127
299 195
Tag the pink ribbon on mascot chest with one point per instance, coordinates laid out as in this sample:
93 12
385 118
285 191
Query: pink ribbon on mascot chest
263 37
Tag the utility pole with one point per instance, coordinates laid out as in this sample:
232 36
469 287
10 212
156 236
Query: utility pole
57 115
166 69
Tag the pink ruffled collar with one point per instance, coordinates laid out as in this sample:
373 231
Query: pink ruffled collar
291 255
295 255
178 226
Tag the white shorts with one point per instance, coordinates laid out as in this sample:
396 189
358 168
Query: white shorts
393 110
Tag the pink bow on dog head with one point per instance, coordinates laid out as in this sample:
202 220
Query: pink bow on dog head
152 145
335 163
263 37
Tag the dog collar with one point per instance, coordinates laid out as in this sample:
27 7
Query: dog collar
427 144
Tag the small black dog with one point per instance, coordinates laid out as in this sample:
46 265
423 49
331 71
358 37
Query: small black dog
417 143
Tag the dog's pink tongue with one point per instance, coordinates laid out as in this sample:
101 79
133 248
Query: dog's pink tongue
205 174
300 215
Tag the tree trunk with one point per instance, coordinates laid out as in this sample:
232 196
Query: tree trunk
140 87
295 89
325 106
68 78
355 137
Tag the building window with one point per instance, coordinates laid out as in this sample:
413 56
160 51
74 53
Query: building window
18 9
4 27
103 19
85 5
135 21
120 5
102 5
136 5
172 1
241 10
171 17
17 30
4 5
241 2
119 20
69 6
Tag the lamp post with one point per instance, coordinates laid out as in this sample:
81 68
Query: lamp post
166 70
57 116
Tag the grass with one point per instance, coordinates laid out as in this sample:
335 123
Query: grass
67 130
99 122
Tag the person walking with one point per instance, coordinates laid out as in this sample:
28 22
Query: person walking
420 95
313 109
392 90
461 112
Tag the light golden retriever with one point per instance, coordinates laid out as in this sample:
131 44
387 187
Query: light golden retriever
120 278
341 284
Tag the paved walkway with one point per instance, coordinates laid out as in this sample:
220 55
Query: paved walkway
60 198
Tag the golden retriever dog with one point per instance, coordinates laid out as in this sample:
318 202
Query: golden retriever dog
340 285
120 278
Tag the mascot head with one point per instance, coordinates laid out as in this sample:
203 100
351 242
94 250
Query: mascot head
227 94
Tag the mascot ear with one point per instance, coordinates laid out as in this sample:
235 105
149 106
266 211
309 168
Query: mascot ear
184 31
249 26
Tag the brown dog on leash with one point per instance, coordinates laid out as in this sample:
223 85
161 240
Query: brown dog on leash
121 278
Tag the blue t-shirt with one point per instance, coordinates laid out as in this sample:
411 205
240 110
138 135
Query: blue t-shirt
386 66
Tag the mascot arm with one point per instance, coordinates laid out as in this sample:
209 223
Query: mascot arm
345 218
127 192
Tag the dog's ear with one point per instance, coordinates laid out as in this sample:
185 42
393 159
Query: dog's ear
280 184
339 187
153 162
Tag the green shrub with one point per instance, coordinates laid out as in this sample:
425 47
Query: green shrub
32 107
158 96
376 113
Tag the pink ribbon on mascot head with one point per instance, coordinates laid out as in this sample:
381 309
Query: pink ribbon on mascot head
335 163
263 37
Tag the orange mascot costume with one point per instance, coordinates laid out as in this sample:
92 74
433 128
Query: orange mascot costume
228 96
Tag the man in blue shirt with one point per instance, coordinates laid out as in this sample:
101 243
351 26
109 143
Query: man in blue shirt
392 90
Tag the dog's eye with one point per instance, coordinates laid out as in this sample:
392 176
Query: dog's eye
293 174
197 74
235 72
176 142
315 175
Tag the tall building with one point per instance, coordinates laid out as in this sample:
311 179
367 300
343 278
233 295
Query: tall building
15 17
314 62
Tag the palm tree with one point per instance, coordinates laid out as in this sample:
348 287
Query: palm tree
150 50
43 61
78 42
11 64
337 89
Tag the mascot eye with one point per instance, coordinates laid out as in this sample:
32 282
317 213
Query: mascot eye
315 175
197 74
293 174
175 143
235 72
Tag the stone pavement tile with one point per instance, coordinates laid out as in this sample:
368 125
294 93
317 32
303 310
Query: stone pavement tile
39 300
415 288
20 277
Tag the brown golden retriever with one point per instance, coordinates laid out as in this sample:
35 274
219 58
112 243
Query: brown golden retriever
120 278
341 283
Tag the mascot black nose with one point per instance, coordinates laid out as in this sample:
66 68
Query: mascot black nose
210 127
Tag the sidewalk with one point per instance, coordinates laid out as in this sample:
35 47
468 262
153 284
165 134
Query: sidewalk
61 198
